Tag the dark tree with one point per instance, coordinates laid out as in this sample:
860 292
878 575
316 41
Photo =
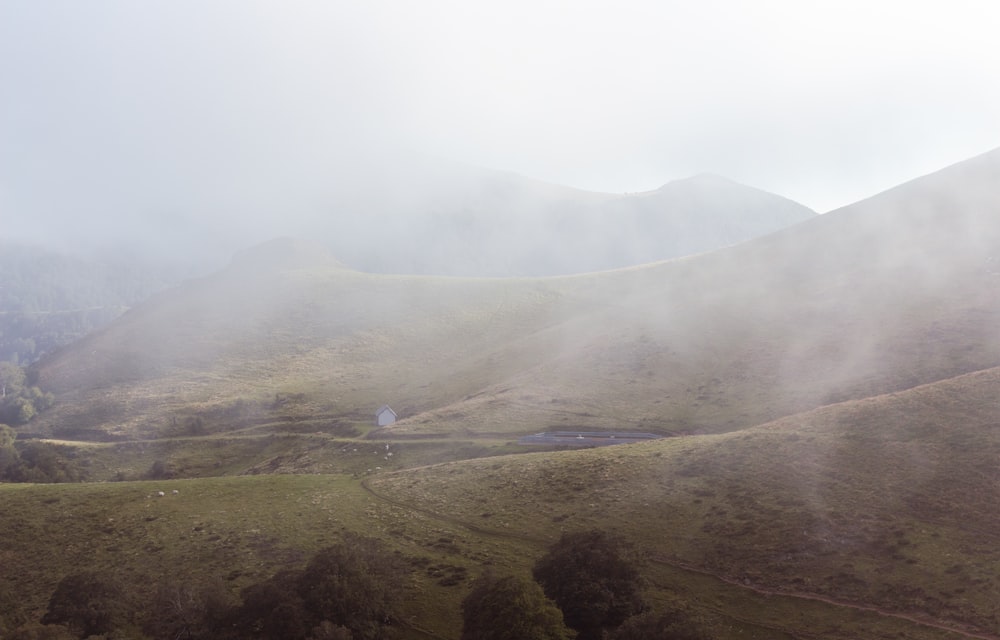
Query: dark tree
356 584
510 608
89 603
161 470
348 591
10 459
7 436
272 610
670 625
19 401
185 611
589 577
44 462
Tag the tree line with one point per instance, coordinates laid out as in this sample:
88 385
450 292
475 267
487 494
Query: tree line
586 586
20 401
49 299
35 461
349 591
27 336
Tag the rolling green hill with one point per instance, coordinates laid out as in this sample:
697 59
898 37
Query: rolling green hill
870 518
832 388
471 222
896 291
885 501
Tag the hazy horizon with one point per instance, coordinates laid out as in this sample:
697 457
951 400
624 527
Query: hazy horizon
236 119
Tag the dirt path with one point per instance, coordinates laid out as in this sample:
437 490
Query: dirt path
924 621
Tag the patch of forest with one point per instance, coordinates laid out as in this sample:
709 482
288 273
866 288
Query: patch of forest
587 586
49 299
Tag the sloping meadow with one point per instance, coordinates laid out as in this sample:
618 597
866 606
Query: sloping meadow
885 501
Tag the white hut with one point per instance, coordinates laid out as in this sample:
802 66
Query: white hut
384 416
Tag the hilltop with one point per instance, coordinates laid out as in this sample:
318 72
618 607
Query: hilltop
432 220
484 223
897 291
830 390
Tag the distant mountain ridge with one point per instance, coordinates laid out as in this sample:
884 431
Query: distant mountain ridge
832 387
467 222
891 293
499 224
436 218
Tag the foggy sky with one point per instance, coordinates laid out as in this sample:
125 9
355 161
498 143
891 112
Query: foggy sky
123 117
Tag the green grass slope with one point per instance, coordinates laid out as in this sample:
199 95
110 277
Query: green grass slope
836 382
896 291
886 502
871 518
229 531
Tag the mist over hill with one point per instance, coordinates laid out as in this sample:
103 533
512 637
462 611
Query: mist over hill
829 388
885 501
289 292
896 291
447 219
499 224
49 298
434 219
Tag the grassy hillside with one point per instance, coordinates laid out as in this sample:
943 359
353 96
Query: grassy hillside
897 291
885 501
832 386
870 518
343 341
237 531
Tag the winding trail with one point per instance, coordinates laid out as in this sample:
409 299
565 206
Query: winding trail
924 621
